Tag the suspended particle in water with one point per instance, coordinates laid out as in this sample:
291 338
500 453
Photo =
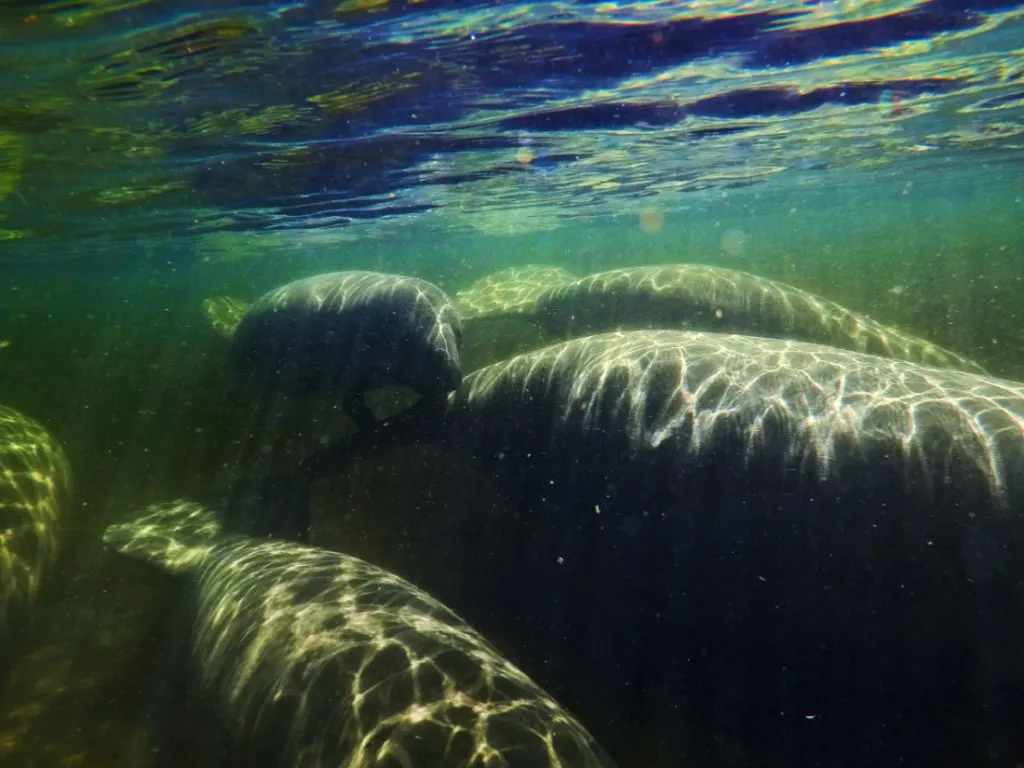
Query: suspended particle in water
733 242
892 102
524 156
651 219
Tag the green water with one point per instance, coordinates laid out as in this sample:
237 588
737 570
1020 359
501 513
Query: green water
133 189
123 368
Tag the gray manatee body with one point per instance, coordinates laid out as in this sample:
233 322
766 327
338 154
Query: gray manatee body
321 660
813 413
755 530
346 332
735 532
706 298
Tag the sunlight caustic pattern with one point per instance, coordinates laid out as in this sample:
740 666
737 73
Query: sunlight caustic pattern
356 666
224 313
703 297
35 482
812 407
509 291
389 329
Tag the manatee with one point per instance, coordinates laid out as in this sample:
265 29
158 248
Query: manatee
811 551
35 488
317 659
499 313
343 333
509 291
810 411
707 298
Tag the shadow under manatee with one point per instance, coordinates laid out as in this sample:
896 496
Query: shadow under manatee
14 634
180 719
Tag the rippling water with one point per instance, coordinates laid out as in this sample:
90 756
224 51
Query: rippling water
139 117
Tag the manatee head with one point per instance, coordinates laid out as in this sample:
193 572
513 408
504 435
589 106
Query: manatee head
176 535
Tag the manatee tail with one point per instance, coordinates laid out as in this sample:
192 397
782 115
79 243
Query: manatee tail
176 535
224 313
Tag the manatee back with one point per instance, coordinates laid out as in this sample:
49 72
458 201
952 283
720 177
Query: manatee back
701 297
176 536
510 291
818 415
345 332
317 658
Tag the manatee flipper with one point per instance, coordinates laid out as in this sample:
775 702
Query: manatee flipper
278 506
